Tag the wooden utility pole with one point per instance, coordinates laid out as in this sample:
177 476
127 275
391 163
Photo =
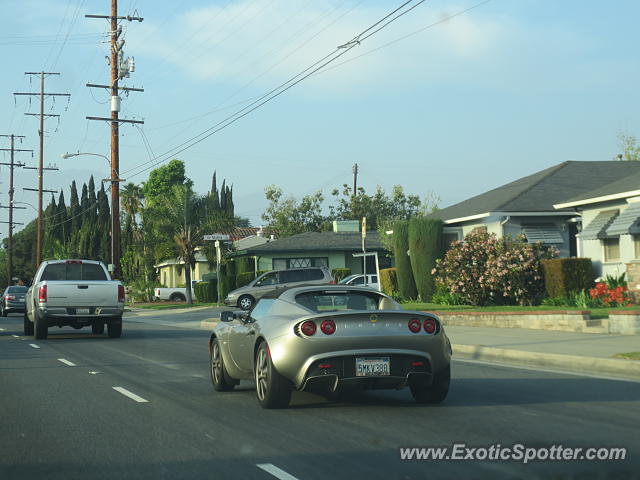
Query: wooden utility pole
42 115
12 165
120 69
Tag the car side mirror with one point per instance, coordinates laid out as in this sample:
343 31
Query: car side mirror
227 316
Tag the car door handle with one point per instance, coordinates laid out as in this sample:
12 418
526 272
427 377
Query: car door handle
83 287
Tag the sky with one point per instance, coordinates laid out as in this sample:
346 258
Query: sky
440 102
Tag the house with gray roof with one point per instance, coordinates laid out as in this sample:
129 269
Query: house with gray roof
610 215
340 248
535 205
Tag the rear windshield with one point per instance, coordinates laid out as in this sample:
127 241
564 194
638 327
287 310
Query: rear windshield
17 290
339 301
74 271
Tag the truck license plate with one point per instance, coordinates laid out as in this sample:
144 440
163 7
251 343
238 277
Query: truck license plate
373 367
82 311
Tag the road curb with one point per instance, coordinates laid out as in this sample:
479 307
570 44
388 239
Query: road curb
574 363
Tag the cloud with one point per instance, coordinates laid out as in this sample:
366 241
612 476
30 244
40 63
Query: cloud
267 42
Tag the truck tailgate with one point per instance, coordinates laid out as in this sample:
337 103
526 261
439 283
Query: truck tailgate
82 293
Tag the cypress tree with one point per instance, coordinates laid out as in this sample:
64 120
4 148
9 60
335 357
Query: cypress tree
230 206
74 208
215 197
425 245
223 198
102 240
62 229
406 282
93 201
84 204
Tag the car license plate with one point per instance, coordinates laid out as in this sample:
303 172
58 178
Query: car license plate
373 367
82 311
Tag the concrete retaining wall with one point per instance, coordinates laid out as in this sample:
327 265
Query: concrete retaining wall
624 322
566 321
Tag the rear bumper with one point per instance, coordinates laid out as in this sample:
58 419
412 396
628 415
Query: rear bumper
14 307
405 369
72 312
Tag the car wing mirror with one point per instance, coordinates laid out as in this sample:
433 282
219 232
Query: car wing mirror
227 316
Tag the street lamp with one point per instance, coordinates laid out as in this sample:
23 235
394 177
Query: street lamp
112 267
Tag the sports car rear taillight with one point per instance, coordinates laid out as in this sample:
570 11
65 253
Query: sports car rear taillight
42 293
414 325
430 325
308 328
120 294
328 327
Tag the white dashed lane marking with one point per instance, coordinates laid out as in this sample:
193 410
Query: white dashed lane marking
67 362
33 345
131 395
275 471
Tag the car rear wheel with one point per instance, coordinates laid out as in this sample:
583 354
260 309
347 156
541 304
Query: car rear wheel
245 302
219 376
272 389
177 297
114 328
41 327
437 391
97 328
28 326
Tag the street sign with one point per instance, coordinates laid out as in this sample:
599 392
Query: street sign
217 236
364 227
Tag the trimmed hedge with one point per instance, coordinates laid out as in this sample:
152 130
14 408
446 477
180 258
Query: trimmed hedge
206 292
564 276
389 281
340 273
244 278
406 283
425 245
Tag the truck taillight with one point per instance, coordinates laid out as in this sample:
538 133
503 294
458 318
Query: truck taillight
120 294
42 293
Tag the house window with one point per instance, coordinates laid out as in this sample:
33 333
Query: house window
636 246
611 249
287 263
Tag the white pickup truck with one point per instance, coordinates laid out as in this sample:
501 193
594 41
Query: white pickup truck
76 293
174 294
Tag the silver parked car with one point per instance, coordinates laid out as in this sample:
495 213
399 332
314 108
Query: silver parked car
245 297
326 338
12 300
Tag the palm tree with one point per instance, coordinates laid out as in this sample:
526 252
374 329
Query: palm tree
131 201
187 241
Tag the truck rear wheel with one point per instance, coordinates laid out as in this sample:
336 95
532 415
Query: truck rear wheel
28 326
114 328
177 297
97 327
41 327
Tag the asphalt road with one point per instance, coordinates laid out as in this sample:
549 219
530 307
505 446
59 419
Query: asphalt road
61 416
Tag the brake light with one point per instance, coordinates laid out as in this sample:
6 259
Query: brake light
42 293
328 327
430 325
74 261
10 297
308 328
120 294
325 365
417 364
414 325
333 282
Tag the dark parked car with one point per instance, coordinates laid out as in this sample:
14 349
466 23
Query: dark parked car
13 300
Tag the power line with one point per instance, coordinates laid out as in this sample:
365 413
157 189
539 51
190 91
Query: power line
279 90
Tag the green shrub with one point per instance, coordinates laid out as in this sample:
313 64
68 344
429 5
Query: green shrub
340 273
425 245
389 280
406 283
206 292
564 276
244 278
615 281
244 265
442 296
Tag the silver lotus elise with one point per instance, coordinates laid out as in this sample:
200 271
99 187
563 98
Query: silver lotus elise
330 338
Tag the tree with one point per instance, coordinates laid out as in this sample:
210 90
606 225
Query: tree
287 216
131 200
425 247
163 178
629 146
406 282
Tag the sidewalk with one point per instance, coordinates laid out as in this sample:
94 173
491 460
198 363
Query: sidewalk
575 352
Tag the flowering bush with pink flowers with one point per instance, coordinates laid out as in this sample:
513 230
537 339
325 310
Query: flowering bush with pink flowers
483 270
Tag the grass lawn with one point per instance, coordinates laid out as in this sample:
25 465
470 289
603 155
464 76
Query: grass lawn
171 305
628 356
434 307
